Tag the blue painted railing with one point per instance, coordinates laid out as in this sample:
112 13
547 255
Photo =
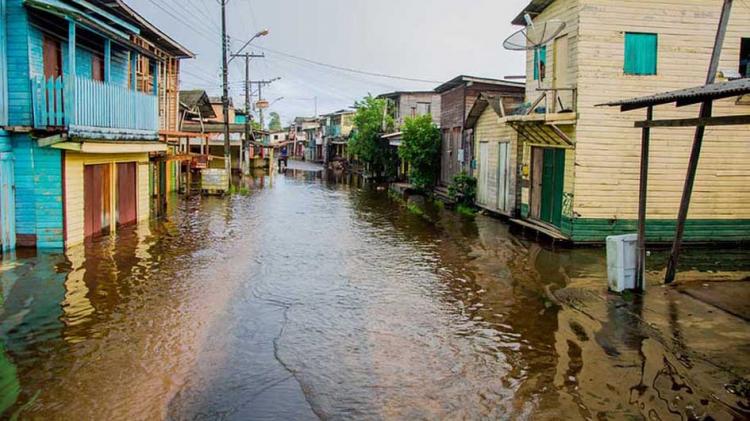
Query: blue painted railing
91 104
334 130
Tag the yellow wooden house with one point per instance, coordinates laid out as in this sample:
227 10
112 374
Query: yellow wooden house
496 152
579 163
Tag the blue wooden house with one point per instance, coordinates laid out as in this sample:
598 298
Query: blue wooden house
80 101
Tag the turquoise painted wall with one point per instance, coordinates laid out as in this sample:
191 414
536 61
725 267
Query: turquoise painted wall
3 68
17 52
24 61
39 201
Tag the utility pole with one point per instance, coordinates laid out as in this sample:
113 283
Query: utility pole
225 93
248 129
261 83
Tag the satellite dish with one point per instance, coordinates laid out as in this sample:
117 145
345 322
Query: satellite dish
534 35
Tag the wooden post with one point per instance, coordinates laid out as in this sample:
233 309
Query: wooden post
107 60
640 277
134 70
70 111
705 112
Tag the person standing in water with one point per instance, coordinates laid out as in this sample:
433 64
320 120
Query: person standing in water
283 157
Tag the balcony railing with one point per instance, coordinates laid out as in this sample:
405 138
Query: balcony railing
333 131
89 105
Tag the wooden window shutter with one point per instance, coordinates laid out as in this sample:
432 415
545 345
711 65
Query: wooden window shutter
640 53
540 56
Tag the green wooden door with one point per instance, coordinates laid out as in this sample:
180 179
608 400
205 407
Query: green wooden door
553 173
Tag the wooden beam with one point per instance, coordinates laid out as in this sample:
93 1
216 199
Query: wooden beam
562 134
695 122
695 152
640 280
50 140
535 103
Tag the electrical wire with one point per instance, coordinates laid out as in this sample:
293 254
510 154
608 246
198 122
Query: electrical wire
347 69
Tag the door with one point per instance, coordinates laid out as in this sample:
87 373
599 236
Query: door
52 57
537 161
445 158
483 179
126 193
503 177
96 199
97 68
563 100
553 172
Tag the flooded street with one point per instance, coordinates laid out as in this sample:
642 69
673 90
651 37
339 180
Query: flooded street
315 296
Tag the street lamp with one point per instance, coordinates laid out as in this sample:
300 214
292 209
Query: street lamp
262 33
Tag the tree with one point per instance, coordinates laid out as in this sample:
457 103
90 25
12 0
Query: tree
365 143
420 147
275 123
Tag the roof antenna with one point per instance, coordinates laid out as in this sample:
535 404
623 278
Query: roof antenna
532 37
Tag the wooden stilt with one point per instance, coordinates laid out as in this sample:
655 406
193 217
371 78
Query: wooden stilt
705 112
640 280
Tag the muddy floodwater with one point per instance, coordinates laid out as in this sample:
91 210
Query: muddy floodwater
316 296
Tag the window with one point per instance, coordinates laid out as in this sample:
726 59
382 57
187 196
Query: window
745 57
423 108
640 53
540 62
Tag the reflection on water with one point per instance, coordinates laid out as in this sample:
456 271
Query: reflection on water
314 295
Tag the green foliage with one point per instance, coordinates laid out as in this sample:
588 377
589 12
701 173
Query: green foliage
465 210
415 209
275 122
365 142
463 189
420 147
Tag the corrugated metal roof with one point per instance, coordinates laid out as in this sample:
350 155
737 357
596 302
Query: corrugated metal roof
462 79
687 96
534 8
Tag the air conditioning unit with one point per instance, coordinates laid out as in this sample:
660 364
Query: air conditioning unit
622 253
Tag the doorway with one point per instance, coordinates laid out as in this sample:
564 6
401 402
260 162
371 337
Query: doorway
126 193
96 199
547 178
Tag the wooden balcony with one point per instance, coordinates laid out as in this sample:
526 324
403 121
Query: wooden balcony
89 108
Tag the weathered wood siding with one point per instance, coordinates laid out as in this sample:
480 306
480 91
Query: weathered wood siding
17 52
566 11
409 101
608 147
3 67
74 168
492 129
39 208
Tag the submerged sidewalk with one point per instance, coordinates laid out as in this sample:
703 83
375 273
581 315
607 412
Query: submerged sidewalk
689 342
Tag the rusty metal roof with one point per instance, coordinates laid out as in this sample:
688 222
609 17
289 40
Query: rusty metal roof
687 96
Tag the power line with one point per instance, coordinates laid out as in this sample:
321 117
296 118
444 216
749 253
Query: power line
347 69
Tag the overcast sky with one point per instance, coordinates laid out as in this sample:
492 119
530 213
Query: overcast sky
433 40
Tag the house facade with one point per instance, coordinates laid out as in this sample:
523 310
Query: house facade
457 96
579 173
81 85
496 149
404 104
336 127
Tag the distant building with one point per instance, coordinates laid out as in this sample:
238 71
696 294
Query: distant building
457 96
337 127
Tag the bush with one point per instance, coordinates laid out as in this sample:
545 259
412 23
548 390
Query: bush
463 189
420 147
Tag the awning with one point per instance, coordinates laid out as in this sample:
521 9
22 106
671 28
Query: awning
111 147
540 133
